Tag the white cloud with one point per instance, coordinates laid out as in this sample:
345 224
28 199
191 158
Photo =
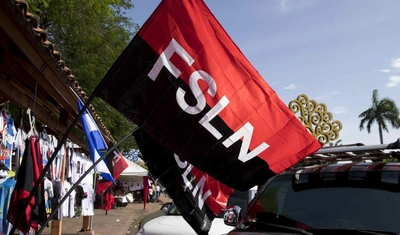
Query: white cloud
396 63
283 6
393 81
291 86
340 110
326 95
385 70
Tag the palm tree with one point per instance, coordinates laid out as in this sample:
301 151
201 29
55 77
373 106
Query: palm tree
382 112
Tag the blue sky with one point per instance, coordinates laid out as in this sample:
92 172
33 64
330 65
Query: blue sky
335 52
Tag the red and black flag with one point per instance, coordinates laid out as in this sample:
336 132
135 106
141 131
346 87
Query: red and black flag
198 196
183 81
28 173
116 164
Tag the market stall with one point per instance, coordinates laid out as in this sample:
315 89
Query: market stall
131 180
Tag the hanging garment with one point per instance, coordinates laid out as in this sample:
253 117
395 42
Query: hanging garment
27 175
7 137
65 205
108 200
59 192
88 200
6 189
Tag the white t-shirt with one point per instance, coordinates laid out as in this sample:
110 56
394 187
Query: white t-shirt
48 185
71 211
65 205
74 168
87 203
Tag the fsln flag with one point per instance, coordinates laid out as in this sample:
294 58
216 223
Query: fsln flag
95 142
185 82
116 164
198 196
27 175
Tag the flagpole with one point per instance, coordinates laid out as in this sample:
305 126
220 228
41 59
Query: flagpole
99 87
53 212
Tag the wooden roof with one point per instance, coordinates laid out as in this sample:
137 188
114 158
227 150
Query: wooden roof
33 74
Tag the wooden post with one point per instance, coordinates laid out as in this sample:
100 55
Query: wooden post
86 223
56 225
87 220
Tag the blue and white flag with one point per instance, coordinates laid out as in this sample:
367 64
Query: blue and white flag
95 141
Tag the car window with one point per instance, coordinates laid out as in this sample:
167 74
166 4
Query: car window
173 210
238 198
365 200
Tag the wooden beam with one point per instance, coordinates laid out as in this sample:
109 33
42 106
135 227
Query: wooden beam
20 99
34 52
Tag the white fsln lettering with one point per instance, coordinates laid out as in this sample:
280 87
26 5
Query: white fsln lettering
205 121
164 60
178 161
202 197
199 187
246 132
116 158
197 92
185 179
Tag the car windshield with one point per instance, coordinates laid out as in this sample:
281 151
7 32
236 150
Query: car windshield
330 200
173 210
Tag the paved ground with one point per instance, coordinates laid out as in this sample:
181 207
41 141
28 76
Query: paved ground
120 221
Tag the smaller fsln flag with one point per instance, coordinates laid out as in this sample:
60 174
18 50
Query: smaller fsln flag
95 141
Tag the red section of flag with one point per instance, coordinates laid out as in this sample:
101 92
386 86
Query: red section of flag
118 165
218 199
201 44
28 173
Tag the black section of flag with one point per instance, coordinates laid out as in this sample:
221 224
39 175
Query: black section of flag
162 165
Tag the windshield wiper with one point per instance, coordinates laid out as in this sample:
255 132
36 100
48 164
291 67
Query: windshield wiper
277 226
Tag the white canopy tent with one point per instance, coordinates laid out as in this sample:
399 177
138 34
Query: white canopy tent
134 172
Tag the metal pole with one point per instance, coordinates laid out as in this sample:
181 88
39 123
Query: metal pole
94 188
53 156
54 211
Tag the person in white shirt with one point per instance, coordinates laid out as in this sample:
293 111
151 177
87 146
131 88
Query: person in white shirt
158 190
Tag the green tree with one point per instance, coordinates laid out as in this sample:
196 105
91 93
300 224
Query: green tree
382 112
90 35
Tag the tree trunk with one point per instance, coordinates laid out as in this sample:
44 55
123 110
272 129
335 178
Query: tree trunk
380 134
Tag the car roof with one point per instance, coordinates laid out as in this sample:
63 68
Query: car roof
346 167
352 157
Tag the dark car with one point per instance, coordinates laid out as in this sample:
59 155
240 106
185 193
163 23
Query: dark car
346 190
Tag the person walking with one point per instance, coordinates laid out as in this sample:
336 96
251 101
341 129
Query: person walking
158 190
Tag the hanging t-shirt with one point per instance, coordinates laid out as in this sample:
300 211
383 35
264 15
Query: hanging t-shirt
68 163
88 200
6 189
86 164
48 185
68 206
74 167
7 137
71 209
65 205
59 192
